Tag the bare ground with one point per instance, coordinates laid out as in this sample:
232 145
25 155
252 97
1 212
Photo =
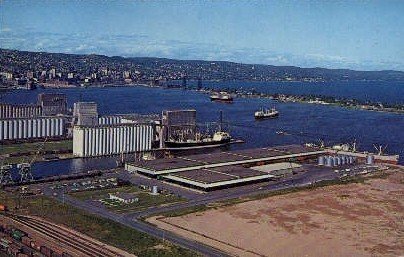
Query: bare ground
361 219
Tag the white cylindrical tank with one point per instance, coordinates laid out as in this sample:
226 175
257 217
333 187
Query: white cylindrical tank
370 159
321 160
154 190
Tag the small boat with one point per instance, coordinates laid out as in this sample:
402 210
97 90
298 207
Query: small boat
221 97
266 114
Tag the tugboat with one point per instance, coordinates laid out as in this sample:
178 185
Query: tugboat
266 114
221 97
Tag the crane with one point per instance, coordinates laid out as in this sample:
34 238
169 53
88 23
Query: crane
25 168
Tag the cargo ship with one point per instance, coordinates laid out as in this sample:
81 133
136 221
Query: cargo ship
221 97
266 114
218 138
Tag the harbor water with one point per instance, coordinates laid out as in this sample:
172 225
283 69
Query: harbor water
302 122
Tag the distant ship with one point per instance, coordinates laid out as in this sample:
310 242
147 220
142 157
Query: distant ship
219 138
221 97
266 114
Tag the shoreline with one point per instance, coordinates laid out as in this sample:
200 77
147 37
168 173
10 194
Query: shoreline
352 104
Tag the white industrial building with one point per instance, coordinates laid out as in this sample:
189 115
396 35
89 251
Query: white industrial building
32 128
19 111
112 139
85 114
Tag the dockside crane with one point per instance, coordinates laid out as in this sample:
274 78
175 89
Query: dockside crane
5 174
25 169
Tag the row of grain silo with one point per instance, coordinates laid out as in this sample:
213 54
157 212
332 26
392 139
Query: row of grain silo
19 111
338 160
110 120
112 139
31 128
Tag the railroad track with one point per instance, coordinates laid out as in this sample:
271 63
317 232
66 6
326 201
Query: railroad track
59 234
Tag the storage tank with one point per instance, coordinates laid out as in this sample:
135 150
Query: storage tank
154 190
329 161
337 161
321 160
370 160
343 160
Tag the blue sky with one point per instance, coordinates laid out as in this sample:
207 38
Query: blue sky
365 35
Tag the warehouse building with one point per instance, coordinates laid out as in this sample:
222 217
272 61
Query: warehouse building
213 171
102 140
52 104
32 128
19 111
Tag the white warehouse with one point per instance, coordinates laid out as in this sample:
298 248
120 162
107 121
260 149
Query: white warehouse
32 128
102 140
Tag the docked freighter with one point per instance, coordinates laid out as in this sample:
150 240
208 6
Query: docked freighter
221 97
218 138
266 114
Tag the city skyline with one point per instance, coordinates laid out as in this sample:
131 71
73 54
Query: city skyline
353 35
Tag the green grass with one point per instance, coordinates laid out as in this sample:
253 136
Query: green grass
146 200
28 148
103 193
100 228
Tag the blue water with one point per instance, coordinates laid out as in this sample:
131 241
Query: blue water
386 92
307 122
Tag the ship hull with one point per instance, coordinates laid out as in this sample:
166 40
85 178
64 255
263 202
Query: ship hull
173 144
266 117
222 100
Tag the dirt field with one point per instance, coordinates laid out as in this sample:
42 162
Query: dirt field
361 219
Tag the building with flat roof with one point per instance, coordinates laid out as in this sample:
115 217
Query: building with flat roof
225 169
113 139
32 128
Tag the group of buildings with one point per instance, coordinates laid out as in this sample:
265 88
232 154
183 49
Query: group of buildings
92 134
46 119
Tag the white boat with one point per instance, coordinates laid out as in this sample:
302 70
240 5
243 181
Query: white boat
221 97
266 113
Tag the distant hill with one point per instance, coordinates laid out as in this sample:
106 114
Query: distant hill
147 68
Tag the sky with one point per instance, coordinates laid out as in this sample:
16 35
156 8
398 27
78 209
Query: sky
355 34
